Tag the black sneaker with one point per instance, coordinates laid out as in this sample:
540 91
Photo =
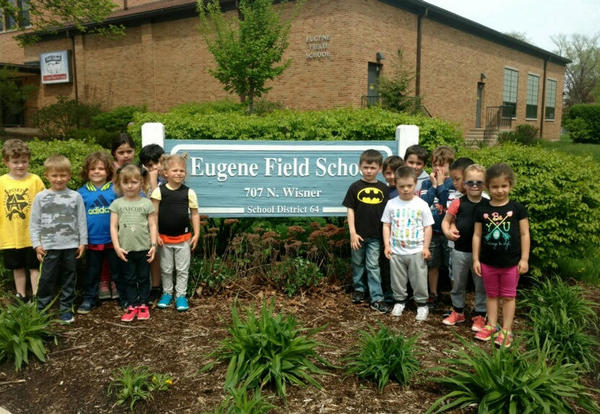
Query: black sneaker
432 301
380 306
358 296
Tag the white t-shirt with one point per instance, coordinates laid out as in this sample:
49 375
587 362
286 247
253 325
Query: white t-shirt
408 220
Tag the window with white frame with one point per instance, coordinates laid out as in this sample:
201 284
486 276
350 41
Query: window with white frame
550 99
9 22
509 93
533 86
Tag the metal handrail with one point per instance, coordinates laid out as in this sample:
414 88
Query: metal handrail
367 101
494 120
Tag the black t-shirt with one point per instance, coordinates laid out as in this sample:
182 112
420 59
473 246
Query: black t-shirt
465 222
500 233
368 201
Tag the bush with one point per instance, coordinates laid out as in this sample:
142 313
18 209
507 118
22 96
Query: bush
137 384
239 402
510 381
268 349
525 134
583 123
337 124
101 137
204 108
117 119
383 355
56 120
294 275
562 198
24 330
585 268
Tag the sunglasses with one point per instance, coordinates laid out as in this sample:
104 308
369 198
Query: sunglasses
474 183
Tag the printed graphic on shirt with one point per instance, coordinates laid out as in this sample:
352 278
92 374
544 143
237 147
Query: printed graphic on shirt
370 195
17 203
407 228
100 206
497 229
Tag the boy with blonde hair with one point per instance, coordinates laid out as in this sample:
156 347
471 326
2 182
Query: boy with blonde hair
58 230
17 191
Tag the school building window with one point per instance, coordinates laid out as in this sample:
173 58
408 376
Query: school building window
533 83
509 93
9 22
550 99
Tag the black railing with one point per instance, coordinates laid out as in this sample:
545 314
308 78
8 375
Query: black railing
495 120
370 100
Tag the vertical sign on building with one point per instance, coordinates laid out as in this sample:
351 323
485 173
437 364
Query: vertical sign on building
55 67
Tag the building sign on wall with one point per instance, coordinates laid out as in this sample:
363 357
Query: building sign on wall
317 46
55 67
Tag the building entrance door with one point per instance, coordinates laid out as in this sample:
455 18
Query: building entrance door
373 77
480 86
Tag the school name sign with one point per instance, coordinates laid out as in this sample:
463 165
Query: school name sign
272 178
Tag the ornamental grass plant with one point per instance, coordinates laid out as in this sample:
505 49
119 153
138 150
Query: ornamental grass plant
239 401
134 384
383 355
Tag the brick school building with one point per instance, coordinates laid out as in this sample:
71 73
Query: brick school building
463 71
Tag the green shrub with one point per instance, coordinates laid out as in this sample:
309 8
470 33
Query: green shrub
268 349
509 381
562 199
56 120
137 384
239 402
585 268
525 134
203 108
116 120
209 275
101 137
384 355
336 124
506 136
583 123
294 275
264 107
24 330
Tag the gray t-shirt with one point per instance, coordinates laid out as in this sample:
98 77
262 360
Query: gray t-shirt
58 220
134 234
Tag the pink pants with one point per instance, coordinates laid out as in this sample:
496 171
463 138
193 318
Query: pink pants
500 281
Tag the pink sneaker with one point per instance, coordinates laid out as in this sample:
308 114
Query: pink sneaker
143 313
486 333
454 318
129 314
504 338
478 323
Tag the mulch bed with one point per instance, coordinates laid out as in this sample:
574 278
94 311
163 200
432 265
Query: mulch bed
78 370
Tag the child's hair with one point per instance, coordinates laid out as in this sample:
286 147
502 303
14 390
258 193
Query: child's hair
57 162
499 170
461 164
15 148
392 162
371 156
442 155
406 172
126 173
474 168
92 159
417 150
122 138
151 152
167 160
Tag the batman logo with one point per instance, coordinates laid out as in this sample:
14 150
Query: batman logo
370 195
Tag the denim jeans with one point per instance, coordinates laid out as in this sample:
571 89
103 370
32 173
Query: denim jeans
367 257
136 278
95 260
58 270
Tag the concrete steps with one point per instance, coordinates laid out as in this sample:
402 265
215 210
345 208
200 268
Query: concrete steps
476 137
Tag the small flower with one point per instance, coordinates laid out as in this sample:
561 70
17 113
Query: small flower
169 381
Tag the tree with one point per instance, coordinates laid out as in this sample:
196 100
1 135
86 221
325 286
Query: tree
582 75
395 90
12 95
248 50
50 15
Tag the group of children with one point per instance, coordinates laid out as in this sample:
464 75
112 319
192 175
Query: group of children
443 219
128 216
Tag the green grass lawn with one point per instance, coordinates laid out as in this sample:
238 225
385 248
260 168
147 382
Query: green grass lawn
566 145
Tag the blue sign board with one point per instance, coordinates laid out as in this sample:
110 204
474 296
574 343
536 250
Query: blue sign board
273 178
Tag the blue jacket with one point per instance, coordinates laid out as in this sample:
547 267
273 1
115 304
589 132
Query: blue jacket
437 199
97 201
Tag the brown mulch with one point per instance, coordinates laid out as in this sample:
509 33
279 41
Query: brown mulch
79 369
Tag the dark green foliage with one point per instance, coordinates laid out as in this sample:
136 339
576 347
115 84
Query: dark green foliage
101 137
585 268
13 94
24 330
510 381
333 125
562 199
583 123
116 120
383 355
395 90
294 275
209 275
525 134
56 120
268 349
263 107
204 108
239 402
135 384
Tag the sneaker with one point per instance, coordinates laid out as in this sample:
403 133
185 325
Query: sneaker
380 306
20 298
165 301
67 318
114 292
358 297
447 313
143 313
454 318
181 303
432 301
478 323
398 309
129 314
85 307
486 333
422 313
504 338
104 290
